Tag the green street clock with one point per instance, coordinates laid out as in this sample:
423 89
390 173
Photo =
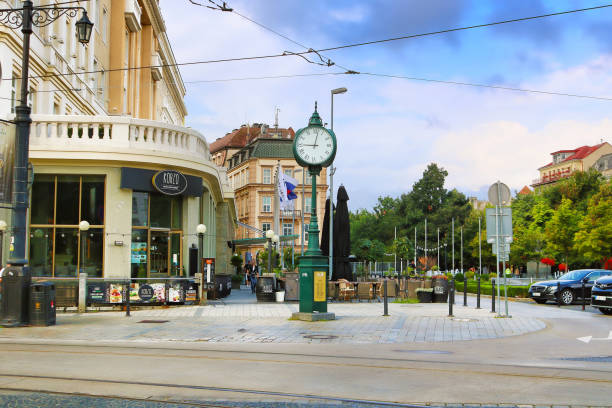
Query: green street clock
314 147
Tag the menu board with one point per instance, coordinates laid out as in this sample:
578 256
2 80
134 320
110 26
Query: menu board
115 293
139 252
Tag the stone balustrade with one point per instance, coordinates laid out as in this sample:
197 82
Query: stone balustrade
118 133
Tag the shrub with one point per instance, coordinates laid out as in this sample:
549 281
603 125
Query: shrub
492 275
459 277
236 260
485 277
469 275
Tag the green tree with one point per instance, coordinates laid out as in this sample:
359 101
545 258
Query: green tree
594 239
561 230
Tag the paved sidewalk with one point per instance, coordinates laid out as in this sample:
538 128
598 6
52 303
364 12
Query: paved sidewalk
227 321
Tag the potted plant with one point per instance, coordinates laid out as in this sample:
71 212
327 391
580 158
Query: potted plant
425 295
236 261
439 284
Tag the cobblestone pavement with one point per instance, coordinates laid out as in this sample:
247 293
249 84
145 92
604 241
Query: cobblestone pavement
270 323
41 399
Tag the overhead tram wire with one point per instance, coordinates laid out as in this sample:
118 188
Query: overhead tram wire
311 51
498 87
440 81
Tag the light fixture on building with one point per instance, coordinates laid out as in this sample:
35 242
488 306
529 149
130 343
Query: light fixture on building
84 27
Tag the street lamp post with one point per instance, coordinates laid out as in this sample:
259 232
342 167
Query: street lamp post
269 236
332 170
201 230
2 229
83 227
276 242
26 17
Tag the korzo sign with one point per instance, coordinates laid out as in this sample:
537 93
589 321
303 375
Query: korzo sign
170 182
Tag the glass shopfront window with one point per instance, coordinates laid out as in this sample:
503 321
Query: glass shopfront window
41 251
67 199
66 252
156 235
59 203
140 209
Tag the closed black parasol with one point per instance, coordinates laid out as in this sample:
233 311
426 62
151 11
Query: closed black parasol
325 231
342 238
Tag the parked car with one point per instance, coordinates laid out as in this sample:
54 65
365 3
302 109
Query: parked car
570 285
601 295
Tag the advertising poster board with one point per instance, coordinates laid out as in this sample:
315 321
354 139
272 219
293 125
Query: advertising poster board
159 292
175 292
139 252
7 161
97 293
115 293
134 296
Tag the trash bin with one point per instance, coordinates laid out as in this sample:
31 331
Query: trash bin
264 291
15 293
42 304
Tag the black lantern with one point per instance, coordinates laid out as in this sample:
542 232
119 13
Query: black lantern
84 27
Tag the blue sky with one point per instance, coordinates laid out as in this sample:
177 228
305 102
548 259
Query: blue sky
389 129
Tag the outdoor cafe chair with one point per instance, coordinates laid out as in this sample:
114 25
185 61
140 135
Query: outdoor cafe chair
364 291
346 288
332 290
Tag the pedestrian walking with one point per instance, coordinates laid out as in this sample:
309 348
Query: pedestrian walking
254 276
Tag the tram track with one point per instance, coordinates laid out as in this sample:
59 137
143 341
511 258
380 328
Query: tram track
439 366
261 393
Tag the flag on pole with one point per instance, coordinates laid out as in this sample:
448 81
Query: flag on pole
286 187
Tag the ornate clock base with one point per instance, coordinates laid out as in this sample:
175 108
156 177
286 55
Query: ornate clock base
313 317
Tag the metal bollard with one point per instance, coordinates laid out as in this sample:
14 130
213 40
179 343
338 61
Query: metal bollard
583 298
478 293
492 296
385 298
464 291
558 294
127 299
451 295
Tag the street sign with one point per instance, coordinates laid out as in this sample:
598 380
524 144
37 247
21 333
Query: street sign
505 224
499 194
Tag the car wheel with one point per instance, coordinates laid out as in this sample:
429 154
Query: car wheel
567 297
540 301
605 311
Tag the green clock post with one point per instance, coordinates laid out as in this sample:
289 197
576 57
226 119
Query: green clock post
314 147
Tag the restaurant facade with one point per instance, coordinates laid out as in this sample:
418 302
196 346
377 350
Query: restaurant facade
109 146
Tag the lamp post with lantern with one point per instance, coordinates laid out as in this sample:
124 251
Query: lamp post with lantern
201 230
25 18
83 227
2 229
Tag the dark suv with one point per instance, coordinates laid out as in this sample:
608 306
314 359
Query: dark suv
602 295
570 285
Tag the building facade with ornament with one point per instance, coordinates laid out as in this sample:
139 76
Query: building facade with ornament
252 154
108 145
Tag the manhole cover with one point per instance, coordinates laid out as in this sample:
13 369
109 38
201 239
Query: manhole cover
424 351
320 337
459 319
153 321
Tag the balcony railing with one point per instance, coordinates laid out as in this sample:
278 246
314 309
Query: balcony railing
115 133
552 178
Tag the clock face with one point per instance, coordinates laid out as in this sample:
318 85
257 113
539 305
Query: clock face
314 145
